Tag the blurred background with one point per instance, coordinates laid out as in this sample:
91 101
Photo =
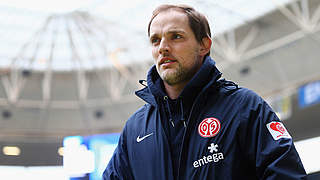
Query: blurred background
69 69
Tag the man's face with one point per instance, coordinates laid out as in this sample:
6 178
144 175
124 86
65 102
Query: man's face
176 52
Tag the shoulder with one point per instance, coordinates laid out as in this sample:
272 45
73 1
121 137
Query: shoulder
253 106
243 96
244 99
139 117
249 98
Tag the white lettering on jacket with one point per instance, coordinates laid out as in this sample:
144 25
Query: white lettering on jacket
214 157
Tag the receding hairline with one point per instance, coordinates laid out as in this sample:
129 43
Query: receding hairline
189 11
173 29
159 10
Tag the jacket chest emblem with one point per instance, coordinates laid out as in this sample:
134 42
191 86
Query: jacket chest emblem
209 127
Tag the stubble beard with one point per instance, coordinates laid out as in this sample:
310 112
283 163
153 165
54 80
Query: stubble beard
175 77
179 75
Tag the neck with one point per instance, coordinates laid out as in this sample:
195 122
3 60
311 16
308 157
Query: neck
174 91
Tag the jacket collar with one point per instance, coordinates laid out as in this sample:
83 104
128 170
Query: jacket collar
207 75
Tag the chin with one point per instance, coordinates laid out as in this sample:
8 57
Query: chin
167 74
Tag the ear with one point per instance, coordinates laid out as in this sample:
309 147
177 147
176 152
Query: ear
205 46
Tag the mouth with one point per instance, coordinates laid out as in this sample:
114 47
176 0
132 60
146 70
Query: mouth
166 61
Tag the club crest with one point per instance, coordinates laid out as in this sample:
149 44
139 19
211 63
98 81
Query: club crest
209 127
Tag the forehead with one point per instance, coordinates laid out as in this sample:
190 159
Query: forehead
169 20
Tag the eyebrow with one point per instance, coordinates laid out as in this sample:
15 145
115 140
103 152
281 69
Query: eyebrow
153 36
175 32
169 32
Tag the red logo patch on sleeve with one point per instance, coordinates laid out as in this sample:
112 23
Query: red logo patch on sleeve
277 130
209 127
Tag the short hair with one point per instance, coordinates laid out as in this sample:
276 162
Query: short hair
197 21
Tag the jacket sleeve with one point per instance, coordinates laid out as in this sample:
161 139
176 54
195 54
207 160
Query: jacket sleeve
118 167
267 144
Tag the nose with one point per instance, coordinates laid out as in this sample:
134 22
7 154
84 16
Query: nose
163 46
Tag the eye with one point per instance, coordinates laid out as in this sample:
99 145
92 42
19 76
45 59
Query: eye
176 36
154 40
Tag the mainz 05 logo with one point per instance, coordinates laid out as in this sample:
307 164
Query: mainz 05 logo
209 127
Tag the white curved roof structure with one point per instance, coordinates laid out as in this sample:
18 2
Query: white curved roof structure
39 25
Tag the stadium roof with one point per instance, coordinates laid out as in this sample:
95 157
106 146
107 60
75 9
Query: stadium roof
41 35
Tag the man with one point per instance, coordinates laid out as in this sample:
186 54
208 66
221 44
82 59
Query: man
195 125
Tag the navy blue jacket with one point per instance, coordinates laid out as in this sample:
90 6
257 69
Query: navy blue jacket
214 130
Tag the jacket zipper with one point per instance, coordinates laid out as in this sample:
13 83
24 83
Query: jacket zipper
185 132
164 135
191 123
